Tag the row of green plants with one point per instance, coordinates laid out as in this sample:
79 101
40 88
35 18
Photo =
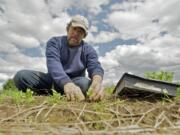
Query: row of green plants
160 75
163 76
11 93
18 97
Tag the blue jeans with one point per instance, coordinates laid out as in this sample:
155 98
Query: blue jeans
42 83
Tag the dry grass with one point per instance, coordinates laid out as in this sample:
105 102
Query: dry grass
110 116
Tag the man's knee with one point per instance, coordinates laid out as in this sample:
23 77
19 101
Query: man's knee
22 74
19 77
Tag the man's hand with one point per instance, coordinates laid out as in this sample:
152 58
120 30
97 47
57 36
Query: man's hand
95 92
73 92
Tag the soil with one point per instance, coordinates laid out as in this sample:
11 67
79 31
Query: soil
111 116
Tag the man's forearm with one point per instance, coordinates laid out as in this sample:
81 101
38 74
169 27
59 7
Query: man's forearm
97 78
96 92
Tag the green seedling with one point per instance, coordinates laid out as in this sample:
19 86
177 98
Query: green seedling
109 90
56 98
90 92
17 97
161 75
166 97
29 96
178 92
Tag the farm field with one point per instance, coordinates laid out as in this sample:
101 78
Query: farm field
23 113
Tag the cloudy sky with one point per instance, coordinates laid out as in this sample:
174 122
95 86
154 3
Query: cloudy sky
129 35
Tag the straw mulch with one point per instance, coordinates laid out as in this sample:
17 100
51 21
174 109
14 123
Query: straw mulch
112 116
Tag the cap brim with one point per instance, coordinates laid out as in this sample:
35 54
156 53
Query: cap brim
79 25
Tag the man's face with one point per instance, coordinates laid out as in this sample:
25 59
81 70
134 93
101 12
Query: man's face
75 35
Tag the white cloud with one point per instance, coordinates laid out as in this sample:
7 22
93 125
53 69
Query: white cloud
3 76
93 6
145 21
32 19
27 24
22 41
127 5
27 62
133 25
93 29
103 36
159 54
5 47
23 25
137 20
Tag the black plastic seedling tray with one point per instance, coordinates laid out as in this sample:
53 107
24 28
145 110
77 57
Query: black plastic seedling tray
133 85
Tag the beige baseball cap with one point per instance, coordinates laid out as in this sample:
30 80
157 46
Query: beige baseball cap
80 21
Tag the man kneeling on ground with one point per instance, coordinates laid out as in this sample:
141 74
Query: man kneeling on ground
67 59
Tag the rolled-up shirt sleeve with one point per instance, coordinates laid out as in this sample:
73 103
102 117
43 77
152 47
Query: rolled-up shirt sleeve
93 65
54 65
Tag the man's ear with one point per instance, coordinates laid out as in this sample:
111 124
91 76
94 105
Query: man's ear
85 34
